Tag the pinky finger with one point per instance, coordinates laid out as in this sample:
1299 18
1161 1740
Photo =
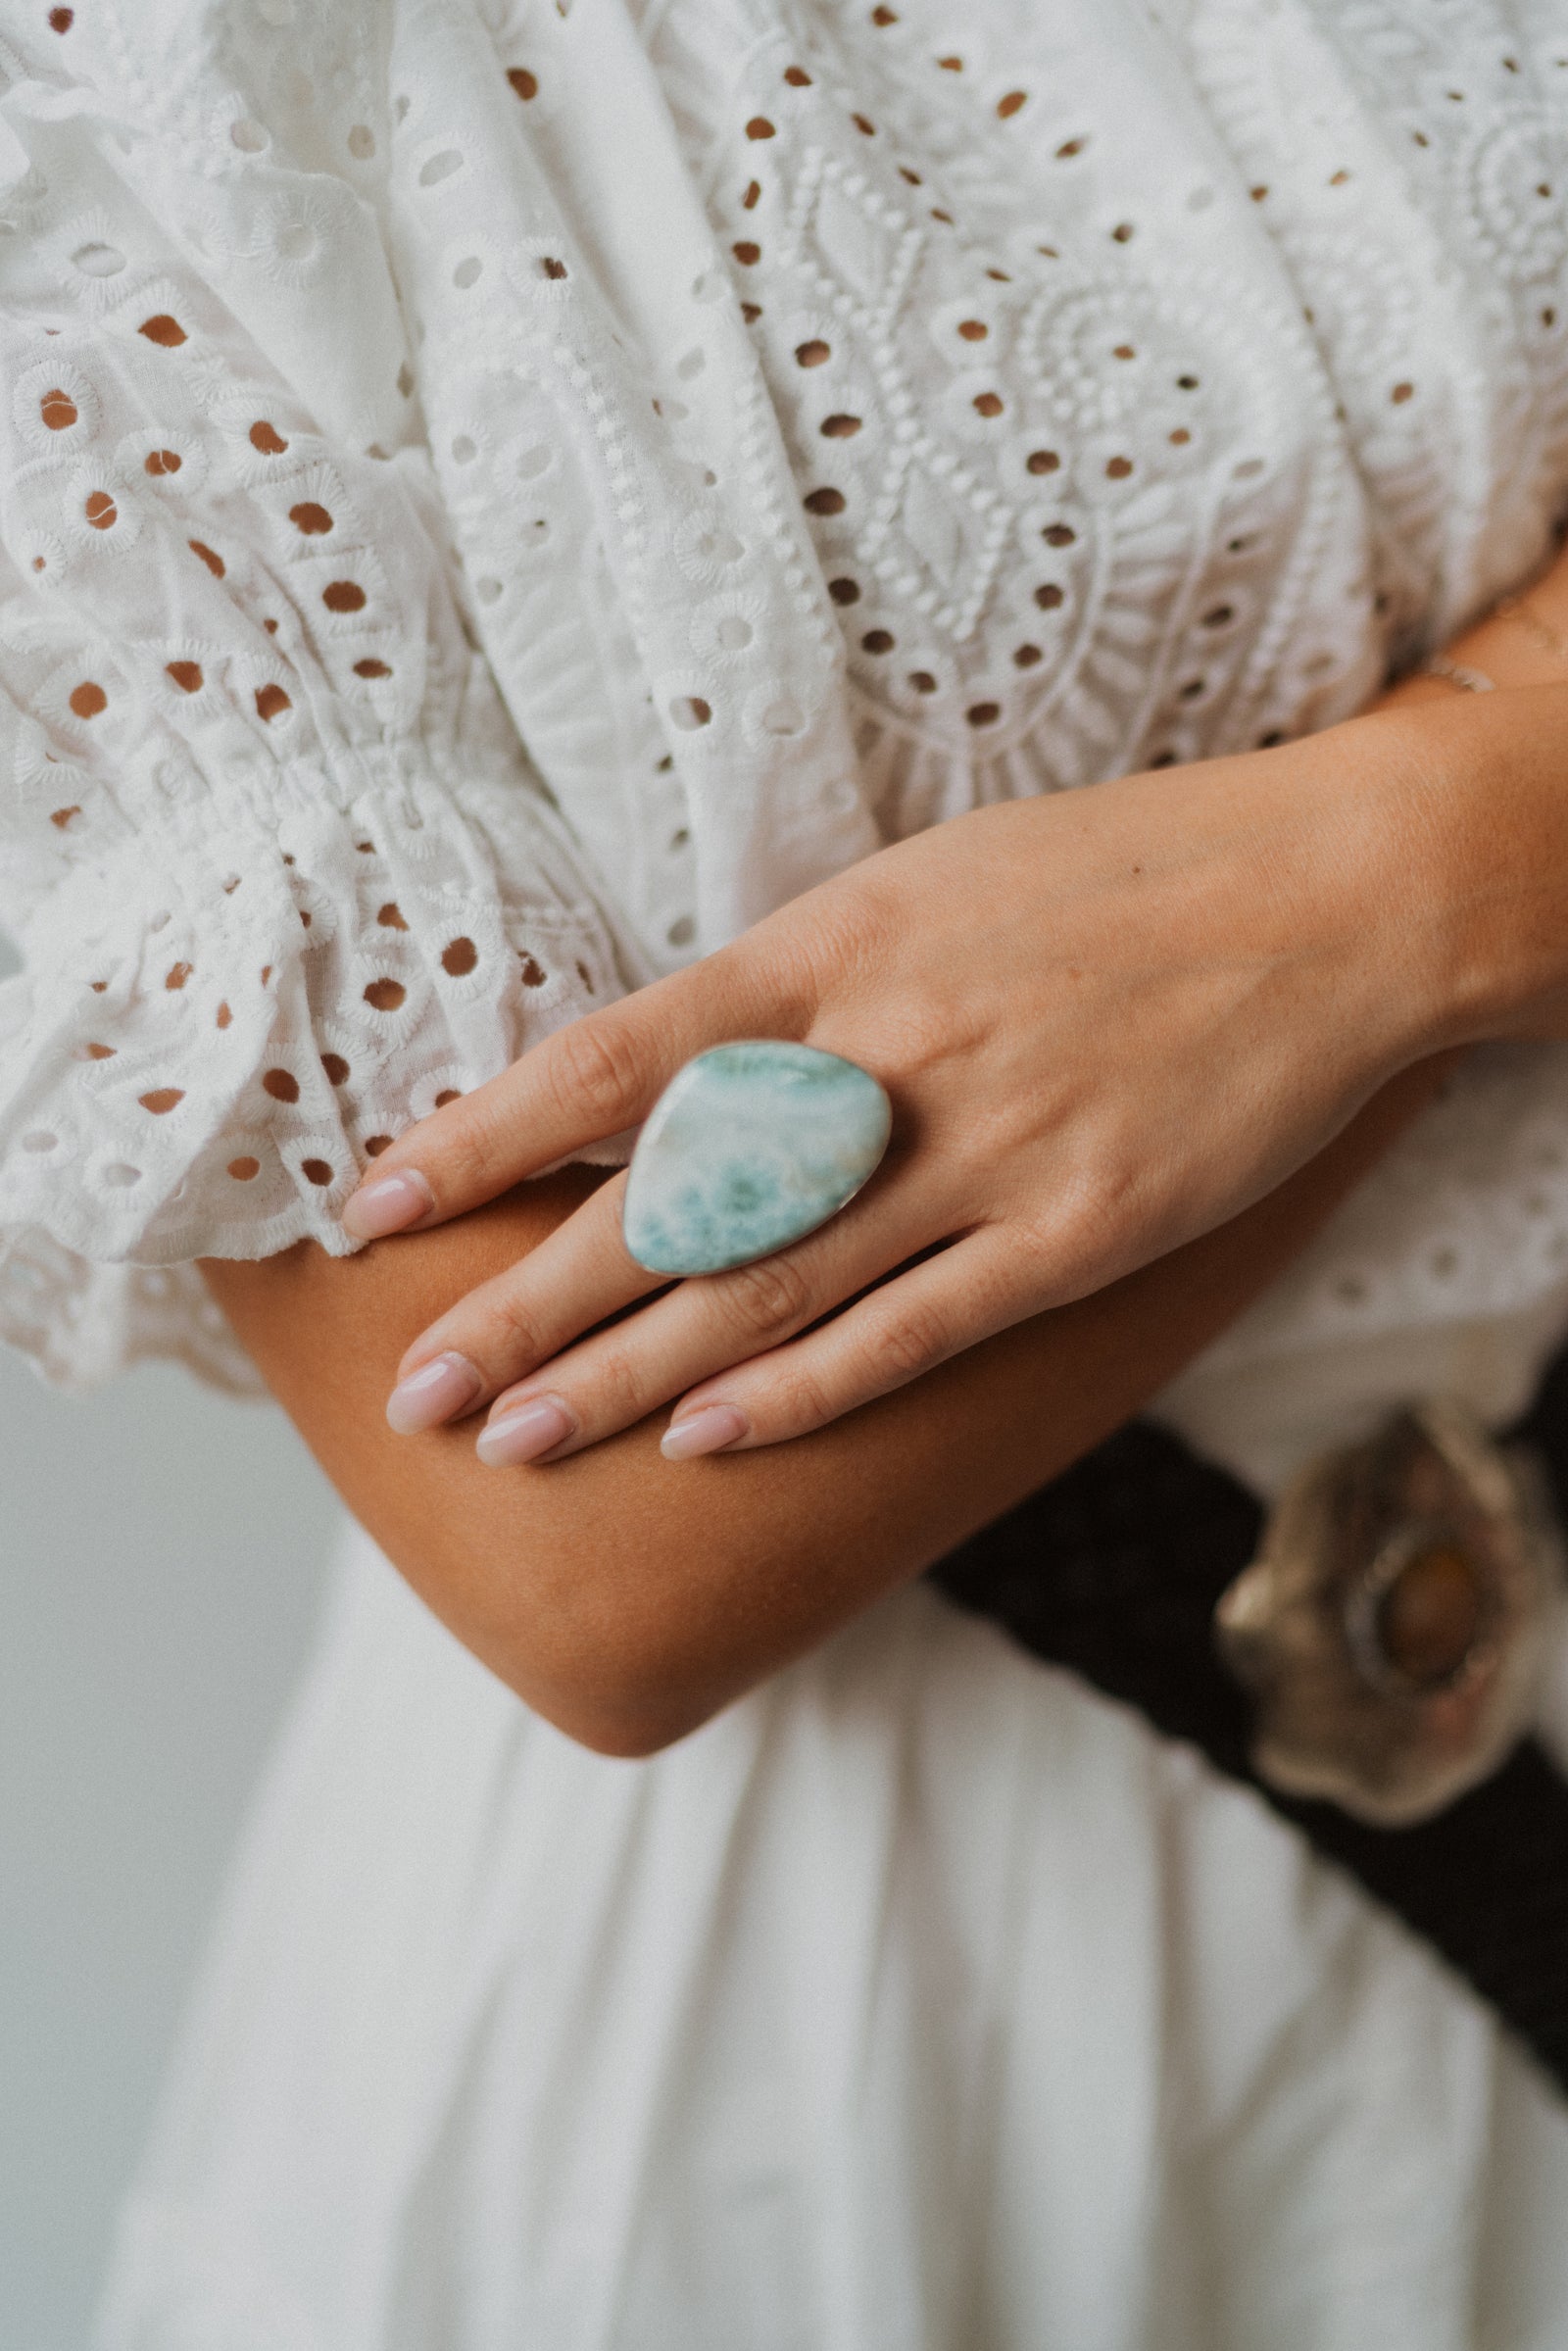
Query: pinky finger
906 1327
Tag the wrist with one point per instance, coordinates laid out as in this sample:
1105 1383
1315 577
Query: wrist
1479 883
1522 641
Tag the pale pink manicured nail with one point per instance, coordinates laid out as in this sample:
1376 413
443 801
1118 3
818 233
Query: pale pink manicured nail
534 1428
432 1394
707 1430
389 1205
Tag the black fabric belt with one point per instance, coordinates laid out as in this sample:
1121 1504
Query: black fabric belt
1114 1570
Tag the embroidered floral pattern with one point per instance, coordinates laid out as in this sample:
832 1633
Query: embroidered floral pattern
449 575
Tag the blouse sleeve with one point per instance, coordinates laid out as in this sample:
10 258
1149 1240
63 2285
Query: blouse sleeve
280 875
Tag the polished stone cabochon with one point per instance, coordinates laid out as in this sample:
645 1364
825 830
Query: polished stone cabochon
748 1147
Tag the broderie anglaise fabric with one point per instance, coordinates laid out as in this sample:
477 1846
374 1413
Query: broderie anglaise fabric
813 421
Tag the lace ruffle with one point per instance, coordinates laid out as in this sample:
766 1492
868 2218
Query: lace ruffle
219 1025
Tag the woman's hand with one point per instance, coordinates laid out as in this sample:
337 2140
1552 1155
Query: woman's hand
1107 1022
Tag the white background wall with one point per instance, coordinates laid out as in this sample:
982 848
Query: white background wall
161 1556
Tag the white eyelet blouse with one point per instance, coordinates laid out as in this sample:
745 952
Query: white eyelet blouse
498 497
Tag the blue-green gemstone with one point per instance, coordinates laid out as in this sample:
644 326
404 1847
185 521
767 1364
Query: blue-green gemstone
748 1147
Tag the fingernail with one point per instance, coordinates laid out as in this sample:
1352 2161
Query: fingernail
390 1204
707 1430
543 1422
432 1394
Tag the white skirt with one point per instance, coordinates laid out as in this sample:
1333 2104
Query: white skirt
925 2001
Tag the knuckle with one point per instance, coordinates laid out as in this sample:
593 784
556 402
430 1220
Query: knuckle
512 1335
467 1153
860 930
593 1069
1083 1241
808 950
1040 1241
921 1037
903 1343
618 1389
464 1147
771 1297
799 1400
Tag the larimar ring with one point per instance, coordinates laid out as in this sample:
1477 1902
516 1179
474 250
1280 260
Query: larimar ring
750 1146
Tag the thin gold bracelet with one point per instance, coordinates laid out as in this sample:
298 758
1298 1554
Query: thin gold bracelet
1460 674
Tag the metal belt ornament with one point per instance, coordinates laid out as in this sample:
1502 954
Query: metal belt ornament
1391 1630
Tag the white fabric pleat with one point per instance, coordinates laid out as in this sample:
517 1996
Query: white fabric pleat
924 2001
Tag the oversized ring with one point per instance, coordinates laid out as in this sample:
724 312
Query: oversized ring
750 1146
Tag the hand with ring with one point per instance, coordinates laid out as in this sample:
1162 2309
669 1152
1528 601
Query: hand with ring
1105 1022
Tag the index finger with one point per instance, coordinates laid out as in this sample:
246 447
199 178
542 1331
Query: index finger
586 1083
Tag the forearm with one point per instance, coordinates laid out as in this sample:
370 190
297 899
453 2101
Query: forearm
627 1598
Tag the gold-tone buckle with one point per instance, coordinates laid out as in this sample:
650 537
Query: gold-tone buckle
1393 1628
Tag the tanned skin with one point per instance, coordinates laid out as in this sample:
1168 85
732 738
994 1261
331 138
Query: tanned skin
626 1598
